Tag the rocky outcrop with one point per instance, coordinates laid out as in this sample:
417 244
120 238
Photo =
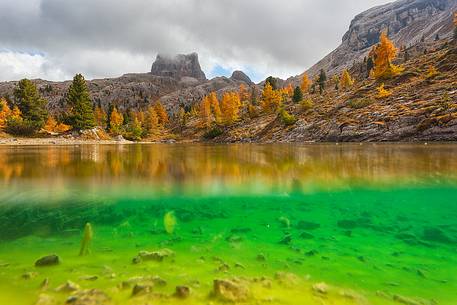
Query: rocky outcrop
178 66
241 77
406 21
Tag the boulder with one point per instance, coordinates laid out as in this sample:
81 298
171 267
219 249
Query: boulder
48 260
230 290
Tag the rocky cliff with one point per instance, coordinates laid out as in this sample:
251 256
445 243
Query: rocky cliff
406 22
178 66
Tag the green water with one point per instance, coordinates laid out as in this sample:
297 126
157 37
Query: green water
376 223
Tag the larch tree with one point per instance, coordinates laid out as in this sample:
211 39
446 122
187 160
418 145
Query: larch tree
32 106
100 116
215 107
271 99
5 112
243 93
78 98
116 120
305 83
205 112
230 107
151 121
383 54
161 113
346 80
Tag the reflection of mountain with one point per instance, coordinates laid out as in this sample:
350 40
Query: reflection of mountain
199 168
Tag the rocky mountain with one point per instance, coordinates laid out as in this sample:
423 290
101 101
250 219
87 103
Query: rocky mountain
178 66
406 22
176 81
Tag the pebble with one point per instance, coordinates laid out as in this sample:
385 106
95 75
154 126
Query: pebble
182 292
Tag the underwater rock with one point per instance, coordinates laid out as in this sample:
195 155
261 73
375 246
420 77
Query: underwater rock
347 224
321 288
284 222
408 238
154 280
44 299
436 235
286 278
86 240
223 268
405 300
240 230
89 278
240 266
234 239
182 292
49 260
29 275
69 286
311 253
44 284
89 297
157 256
261 257
306 235
139 289
307 225
230 290
286 240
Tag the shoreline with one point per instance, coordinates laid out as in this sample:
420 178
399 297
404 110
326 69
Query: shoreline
59 141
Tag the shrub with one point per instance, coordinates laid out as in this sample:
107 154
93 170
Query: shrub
359 103
307 104
382 92
213 133
19 127
287 118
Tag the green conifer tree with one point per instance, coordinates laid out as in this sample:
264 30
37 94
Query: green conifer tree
32 106
78 98
298 95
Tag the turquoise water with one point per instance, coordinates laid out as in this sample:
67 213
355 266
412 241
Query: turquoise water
283 224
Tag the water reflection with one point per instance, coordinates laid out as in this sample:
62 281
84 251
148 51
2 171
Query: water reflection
212 168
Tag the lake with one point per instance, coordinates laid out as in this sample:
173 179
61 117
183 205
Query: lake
254 224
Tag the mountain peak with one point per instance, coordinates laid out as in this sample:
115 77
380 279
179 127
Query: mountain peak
178 66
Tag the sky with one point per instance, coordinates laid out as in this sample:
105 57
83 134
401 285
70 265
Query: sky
55 39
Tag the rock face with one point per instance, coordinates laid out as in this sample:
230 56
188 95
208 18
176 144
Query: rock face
241 77
406 21
178 66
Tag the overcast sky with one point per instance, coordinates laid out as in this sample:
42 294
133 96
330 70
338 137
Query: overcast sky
54 39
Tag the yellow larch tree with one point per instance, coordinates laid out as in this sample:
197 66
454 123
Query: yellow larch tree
305 83
271 99
215 108
5 112
230 107
205 112
151 120
383 92
243 93
346 80
116 120
52 125
161 113
100 116
383 54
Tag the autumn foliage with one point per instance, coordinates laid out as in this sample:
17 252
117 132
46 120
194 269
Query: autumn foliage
271 99
230 107
116 120
305 83
346 80
5 112
383 54
52 125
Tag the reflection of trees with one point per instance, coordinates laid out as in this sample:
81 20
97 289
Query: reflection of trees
200 165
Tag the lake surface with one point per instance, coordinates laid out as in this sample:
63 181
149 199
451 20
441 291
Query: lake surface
277 224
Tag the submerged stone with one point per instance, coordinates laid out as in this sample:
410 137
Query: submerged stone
321 288
230 290
157 256
306 235
347 224
436 235
68 286
49 260
286 240
182 292
307 225
89 297
139 289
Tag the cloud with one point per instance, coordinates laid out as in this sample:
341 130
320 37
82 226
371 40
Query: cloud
105 38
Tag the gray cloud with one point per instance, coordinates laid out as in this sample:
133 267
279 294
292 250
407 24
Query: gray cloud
104 38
